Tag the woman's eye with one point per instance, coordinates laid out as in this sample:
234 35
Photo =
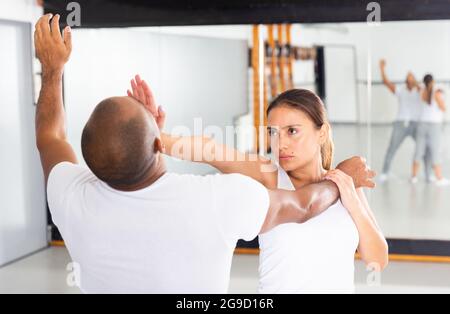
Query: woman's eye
292 131
273 132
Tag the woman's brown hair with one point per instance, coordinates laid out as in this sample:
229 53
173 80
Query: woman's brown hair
428 81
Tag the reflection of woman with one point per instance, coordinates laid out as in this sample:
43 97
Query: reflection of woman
317 256
430 129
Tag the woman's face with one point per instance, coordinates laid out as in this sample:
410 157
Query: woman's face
432 84
295 140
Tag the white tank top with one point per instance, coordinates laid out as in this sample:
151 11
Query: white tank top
432 113
314 257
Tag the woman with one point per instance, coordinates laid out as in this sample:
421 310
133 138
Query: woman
430 129
317 256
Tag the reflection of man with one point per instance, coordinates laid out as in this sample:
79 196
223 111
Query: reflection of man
130 225
408 117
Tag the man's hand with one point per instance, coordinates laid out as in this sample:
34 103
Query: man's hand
358 170
51 48
382 64
142 93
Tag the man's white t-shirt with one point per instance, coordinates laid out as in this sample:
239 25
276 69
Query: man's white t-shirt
410 105
175 236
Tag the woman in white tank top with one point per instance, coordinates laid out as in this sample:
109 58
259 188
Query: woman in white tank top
314 257
318 255
430 130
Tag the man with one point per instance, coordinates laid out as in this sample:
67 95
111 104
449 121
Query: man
408 117
130 226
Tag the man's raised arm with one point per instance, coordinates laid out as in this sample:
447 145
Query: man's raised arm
53 51
310 201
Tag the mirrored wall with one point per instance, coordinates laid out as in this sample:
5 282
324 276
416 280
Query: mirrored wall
224 76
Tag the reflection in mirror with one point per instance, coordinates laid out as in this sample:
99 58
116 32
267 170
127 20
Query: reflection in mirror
409 134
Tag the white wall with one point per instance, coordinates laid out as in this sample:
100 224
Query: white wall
191 77
26 11
23 218
340 84
20 10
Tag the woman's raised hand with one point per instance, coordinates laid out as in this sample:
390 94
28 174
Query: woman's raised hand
346 186
142 93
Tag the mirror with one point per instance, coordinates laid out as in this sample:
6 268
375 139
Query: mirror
238 69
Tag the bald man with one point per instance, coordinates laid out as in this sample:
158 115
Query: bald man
129 225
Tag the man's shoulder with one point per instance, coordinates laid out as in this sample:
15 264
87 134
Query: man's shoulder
65 173
65 182
66 168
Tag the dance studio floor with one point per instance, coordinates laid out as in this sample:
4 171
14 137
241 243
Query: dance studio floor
404 210
45 272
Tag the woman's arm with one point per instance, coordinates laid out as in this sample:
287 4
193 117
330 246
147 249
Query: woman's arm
224 158
440 101
227 159
203 149
372 244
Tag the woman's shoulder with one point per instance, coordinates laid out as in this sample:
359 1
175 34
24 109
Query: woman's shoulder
439 91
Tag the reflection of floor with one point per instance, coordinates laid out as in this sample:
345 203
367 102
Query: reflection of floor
45 272
404 210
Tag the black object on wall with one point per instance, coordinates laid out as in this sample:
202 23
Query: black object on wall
116 13
319 69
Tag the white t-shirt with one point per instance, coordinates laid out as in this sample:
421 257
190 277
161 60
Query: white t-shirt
410 105
313 257
176 236
432 113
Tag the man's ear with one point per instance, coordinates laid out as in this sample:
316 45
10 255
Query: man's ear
158 146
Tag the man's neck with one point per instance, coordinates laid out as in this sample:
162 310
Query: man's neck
154 174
